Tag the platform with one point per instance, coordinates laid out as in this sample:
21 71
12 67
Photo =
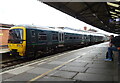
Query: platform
4 54
85 64
5 50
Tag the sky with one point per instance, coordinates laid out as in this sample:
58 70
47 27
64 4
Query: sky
37 13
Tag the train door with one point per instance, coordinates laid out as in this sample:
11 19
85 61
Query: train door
33 38
61 39
30 42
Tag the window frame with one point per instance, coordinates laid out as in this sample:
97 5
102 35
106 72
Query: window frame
42 36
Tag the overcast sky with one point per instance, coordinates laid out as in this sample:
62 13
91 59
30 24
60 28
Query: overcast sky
37 13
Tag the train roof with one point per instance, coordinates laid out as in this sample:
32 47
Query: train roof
37 27
59 29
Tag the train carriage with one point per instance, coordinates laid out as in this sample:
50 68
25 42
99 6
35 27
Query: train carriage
28 41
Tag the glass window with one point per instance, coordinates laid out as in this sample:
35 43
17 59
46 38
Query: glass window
15 36
66 37
54 36
62 36
33 33
70 37
42 36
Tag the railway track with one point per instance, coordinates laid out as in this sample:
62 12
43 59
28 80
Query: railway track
14 63
11 64
19 62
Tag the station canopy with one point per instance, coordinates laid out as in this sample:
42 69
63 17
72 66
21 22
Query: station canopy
103 15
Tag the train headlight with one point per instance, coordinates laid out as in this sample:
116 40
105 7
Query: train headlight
19 45
9 45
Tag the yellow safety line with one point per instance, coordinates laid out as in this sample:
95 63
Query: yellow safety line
52 69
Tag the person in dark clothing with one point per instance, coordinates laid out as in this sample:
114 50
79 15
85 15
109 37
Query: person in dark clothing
110 45
111 37
116 42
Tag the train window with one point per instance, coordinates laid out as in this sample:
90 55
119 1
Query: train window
62 36
59 36
42 36
54 36
66 37
33 33
74 37
77 37
70 37
85 37
82 37
15 36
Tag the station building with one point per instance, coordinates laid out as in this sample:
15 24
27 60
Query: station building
4 33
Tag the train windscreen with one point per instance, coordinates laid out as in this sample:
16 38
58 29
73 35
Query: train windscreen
15 36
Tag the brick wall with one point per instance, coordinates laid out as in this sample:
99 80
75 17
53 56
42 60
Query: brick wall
4 33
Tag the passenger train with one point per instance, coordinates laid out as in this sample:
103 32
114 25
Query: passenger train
28 40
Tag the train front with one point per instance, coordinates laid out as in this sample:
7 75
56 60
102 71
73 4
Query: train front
17 41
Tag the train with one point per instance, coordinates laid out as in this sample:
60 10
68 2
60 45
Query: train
29 40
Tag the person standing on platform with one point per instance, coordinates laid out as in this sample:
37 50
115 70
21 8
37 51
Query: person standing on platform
110 45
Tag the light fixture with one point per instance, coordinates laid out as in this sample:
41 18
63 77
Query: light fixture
116 25
117 10
112 12
114 15
118 14
113 4
117 32
117 0
117 19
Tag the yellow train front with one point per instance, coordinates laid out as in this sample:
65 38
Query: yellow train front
17 41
